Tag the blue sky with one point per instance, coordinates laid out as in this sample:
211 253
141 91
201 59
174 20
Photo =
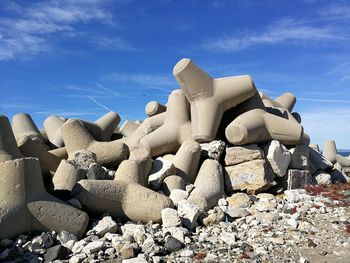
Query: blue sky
82 58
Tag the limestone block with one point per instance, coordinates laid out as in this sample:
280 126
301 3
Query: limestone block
189 214
210 98
254 176
187 160
323 178
241 154
239 200
177 195
76 138
278 157
171 183
318 161
213 150
209 185
170 218
259 126
330 151
300 157
154 108
175 130
297 179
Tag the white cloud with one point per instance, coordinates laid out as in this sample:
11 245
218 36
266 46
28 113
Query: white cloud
30 29
146 80
285 31
65 113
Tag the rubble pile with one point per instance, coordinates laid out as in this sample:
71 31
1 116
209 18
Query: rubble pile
201 178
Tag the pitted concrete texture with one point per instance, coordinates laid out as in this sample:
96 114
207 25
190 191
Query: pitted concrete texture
210 98
23 125
76 138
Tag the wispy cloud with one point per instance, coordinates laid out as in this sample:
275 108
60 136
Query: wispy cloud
112 42
324 100
65 113
33 28
286 31
149 80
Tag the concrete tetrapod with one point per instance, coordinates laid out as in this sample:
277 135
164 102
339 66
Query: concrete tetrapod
210 98
187 160
124 197
175 130
8 144
144 159
259 126
49 160
147 126
25 205
209 185
128 128
76 137
287 100
52 125
24 126
330 151
153 108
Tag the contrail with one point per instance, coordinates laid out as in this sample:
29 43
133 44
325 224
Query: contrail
98 103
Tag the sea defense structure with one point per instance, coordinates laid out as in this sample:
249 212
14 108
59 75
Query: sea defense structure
212 138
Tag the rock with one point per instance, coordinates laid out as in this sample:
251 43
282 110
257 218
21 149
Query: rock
45 240
241 154
318 161
84 158
177 232
323 178
239 200
171 183
170 217
213 150
5 242
97 172
297 179
237 212
135 260
300 157
278 157
56 252
293 223
215 218
187 253
77 258
93 247
128 250
254 176
106 224
78 246
136 231
188 213
295 196
172 244
160 170
178 195
265 205
64 237
305 226
228 238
